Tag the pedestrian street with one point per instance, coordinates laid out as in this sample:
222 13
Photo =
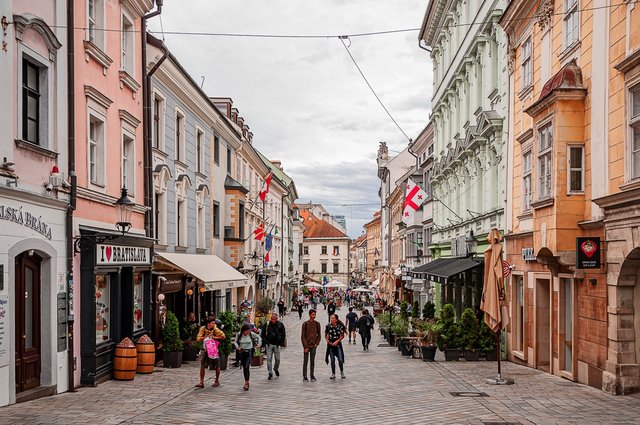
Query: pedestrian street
381 387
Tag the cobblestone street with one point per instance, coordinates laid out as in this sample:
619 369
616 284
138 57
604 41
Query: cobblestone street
381 387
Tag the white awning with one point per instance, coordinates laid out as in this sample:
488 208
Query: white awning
214 272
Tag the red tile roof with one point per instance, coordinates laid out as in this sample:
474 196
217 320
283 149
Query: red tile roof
317 228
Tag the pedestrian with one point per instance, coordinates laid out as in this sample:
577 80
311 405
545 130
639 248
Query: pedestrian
352 321
274 336
334 334
246 341
365 325
331 308
299 310
310 336
210 330
281 307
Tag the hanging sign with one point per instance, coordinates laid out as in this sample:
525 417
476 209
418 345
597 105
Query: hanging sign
108 255
588 253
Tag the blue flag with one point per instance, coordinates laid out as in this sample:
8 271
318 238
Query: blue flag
268 242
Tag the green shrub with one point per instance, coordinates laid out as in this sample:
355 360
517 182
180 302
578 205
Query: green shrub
428 310
404 310
228 319
400 327
171 333
415 310
470 330
487 338
449 335
263 306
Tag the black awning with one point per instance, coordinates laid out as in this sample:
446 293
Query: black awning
442 269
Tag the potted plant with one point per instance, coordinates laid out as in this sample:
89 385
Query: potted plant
470 335
415 310
171 342
400 329
229 323
263 308
189 333
428 310
428 341
383 324
488 342
448 336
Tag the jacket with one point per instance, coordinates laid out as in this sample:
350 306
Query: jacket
311 334
365 324
273 334
204 333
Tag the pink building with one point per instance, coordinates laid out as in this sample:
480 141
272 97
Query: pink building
112 271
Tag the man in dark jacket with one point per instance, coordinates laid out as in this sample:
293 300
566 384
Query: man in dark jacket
310 337
365 324
274 336
331 309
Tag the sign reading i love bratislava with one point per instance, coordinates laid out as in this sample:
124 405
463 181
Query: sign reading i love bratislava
118 254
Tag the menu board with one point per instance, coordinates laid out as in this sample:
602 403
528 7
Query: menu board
4 332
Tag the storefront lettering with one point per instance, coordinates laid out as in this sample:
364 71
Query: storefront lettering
116 254
26 219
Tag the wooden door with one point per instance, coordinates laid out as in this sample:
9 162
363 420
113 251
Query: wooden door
27 322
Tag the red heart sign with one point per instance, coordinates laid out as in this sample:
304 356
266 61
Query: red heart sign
108 251
589 248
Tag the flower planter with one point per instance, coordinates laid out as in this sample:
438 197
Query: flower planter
189 354
429 353
172 359
405 347
472 355
257 360
391 339
224 360
452 354
491 356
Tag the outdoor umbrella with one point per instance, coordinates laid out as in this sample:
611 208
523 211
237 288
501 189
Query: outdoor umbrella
361 290
312 285
335 284
494 299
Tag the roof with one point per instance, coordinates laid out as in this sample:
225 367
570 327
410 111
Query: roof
230 183
569 77
317 228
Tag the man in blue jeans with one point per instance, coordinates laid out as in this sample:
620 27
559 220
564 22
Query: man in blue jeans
273 337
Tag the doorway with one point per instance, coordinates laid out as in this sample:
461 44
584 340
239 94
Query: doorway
27 321
543 324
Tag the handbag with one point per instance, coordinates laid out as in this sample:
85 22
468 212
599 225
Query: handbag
211 347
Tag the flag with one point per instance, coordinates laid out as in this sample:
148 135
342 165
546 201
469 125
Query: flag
265 187
268 242
266 259
259 232
414 197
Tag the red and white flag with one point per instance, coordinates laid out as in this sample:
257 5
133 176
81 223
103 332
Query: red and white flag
414 197
259 232
265 187
266 259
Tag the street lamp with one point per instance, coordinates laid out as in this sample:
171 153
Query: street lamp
124 208
470 241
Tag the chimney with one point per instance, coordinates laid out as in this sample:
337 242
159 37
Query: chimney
250 137
234 115
245 130
278 164
224 104
240 122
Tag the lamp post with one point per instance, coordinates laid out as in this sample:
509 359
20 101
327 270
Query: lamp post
470 242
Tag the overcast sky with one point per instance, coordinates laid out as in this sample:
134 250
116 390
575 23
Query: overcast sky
303 98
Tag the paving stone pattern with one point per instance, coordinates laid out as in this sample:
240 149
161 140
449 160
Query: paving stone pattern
381 387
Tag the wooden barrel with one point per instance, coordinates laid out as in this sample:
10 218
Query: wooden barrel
125 362
146 357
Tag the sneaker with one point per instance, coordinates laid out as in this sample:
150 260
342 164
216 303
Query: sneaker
332 377
313 379
305 379
270 376
349 341
342 375
277 372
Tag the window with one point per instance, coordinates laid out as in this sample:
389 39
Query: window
241 220
161 217
216 219
427 184
128 162
157 121
576 169
181 213
138 301
228 161
634 122
30 102
419 244
127 50
305 268
526 181
179 136
103 302
336 250
570 22
323 250
96 150
200 221
95 22
519 313
336 267
323 267
545 156
527 63
305 250
216 149
199 151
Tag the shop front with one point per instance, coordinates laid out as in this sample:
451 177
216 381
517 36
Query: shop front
115 298
33 301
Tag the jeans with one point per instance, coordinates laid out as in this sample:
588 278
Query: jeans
310 354
333 353
272 351
366 339
245 361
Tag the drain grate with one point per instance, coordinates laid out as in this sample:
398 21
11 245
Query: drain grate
500 423
383 345
468 394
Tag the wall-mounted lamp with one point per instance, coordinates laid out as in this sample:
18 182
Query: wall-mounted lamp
593 281
189 292
202 290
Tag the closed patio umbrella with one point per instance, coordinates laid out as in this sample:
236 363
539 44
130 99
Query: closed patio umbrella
494 302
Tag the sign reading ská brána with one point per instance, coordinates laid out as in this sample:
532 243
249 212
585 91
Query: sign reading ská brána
117 255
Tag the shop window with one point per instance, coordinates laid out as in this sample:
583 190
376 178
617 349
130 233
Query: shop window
336 267
526 182
575 167
323 250
571 23
634 123
545 157
138 301
103 304
323 267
